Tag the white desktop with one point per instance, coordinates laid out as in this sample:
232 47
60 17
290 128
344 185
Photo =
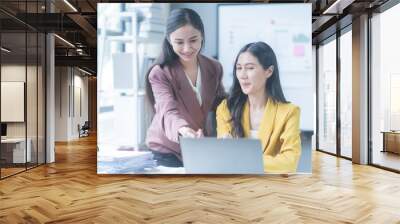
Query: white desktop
18 146
19 149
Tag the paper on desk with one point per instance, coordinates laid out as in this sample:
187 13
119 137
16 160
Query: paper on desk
167 170
110 160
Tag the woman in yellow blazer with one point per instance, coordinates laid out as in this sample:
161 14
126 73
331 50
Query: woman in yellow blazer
257 108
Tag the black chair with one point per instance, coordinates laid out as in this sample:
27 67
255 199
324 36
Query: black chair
84 130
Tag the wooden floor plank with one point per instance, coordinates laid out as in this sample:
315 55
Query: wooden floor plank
70 191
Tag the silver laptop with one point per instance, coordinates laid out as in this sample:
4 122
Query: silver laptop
222 156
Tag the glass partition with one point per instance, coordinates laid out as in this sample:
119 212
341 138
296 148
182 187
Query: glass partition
22 67
13 106
327 96
346 94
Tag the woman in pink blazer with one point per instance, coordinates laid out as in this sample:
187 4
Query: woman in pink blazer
183 86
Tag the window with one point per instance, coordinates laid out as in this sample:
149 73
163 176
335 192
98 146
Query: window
346 94
385 89
327 96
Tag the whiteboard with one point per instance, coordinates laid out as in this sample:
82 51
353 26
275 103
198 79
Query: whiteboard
12 101
289 37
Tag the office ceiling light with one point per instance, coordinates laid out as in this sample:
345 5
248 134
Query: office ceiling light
84 71
5 50
338 6
65 41
80 51
70 5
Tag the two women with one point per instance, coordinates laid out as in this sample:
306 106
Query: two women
184 86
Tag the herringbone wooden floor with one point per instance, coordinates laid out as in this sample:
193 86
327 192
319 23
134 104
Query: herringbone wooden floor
70 191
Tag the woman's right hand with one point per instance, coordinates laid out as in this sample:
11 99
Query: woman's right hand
188 132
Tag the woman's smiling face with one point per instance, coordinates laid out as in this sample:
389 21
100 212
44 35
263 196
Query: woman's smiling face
186 42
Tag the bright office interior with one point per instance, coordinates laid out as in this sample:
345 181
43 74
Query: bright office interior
24 57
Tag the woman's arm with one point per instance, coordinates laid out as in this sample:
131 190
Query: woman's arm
166 104
287 159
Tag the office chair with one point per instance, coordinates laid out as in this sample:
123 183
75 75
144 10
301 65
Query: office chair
84 130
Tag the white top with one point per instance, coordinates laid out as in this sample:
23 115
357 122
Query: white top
197 89
253 134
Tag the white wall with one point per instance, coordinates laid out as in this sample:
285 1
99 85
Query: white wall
61 103
70 83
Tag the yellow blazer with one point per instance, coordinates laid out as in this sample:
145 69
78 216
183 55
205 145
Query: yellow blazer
279 134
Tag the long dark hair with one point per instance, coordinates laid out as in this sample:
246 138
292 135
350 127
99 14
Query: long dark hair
177 19
237 99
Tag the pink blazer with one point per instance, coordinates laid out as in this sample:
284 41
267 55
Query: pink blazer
176 104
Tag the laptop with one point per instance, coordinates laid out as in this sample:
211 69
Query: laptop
222 156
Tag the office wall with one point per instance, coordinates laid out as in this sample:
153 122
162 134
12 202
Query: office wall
71 102
61 103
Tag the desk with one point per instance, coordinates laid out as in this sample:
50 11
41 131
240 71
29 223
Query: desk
391 141
13 150
112 160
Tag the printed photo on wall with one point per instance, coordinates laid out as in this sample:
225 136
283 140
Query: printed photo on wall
186 88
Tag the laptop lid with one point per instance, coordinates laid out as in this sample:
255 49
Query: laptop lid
222 156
